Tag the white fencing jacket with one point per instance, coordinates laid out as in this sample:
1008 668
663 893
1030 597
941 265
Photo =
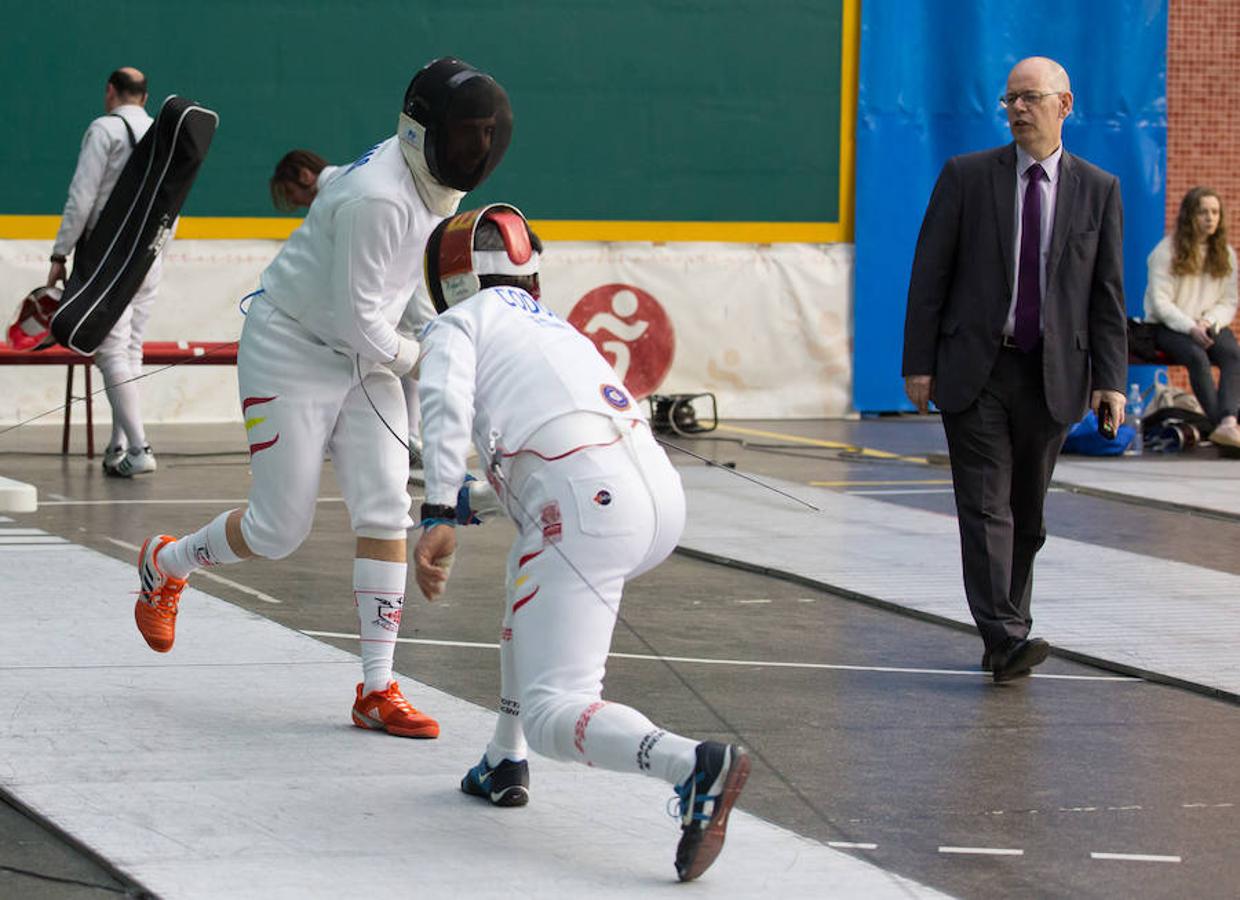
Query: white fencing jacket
105 150
499 366
347 273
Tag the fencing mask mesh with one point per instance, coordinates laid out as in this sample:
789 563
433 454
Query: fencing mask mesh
467 118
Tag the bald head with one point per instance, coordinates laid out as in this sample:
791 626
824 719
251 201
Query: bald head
1038 99
125 85
1044 69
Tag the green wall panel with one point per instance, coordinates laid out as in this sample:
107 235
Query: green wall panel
664 111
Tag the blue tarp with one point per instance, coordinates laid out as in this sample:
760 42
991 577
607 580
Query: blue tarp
930 78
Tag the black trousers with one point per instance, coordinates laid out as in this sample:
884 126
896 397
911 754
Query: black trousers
1183 350
1003 450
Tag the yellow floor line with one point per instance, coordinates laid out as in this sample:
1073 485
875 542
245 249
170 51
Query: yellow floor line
880 483
815 442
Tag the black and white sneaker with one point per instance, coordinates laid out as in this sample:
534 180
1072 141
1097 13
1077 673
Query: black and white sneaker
112 456
705 798
507 784
134 461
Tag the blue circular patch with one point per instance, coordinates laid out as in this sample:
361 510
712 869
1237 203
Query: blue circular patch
603 497
615 397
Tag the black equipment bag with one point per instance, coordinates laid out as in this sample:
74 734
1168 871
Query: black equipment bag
111 262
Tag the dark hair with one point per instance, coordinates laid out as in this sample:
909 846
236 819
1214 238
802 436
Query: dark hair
527 283
487 237
287 171
1184 257
126 85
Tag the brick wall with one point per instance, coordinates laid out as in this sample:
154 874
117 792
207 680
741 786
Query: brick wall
1203 109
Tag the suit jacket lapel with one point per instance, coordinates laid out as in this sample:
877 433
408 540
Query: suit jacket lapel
1003 183
1065 196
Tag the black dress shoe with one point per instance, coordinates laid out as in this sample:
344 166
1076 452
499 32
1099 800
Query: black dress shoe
1018 659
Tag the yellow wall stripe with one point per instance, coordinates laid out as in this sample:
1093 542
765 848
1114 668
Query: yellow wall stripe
850 44
256 228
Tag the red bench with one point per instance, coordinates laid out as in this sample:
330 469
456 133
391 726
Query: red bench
154 353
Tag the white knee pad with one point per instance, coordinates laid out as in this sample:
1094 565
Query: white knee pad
271 540
549 718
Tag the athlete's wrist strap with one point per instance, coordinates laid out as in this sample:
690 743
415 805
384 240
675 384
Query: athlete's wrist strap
438 514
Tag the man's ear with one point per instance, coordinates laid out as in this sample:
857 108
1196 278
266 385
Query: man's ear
305 177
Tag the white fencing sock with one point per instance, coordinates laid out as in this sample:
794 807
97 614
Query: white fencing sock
617 737
508 742
208 546
123 397
379 592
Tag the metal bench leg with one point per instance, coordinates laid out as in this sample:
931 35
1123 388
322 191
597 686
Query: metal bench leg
90 416
64 437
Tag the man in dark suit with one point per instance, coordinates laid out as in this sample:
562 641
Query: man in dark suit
1015 324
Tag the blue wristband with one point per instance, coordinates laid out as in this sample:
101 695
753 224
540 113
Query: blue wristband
431 523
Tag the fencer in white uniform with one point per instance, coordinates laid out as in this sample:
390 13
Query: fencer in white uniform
319 364
299 177
106 147
595 500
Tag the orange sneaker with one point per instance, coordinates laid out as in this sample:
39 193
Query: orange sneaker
158 596
389 711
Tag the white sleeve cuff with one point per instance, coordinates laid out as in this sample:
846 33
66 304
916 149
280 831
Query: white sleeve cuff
406 356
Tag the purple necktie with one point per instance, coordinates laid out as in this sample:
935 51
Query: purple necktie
1027 329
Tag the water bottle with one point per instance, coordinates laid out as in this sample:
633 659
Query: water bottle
1132 416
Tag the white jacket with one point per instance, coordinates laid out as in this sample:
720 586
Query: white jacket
105 150
1178 301
347 273
498 366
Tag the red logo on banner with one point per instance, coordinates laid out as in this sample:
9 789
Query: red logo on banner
631 330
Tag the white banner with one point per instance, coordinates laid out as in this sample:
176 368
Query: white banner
767 328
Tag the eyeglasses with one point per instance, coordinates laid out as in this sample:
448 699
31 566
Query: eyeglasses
1029 98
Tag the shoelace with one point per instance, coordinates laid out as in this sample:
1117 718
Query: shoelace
689 806
397 699
164 602
165 598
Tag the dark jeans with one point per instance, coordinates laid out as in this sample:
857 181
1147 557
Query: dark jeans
1225 353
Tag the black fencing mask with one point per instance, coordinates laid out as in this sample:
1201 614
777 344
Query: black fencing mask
467 118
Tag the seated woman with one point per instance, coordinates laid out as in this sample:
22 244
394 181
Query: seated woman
1191 296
